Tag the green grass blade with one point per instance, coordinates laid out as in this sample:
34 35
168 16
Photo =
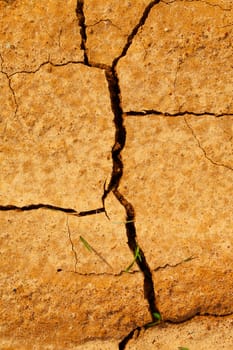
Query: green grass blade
137 255
85 243
129 267
157 318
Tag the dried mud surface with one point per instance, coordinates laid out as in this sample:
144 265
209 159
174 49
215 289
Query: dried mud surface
116 151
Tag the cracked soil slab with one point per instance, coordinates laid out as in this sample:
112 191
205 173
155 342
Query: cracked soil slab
54 302
180 60
183 204
110 147
51 151
108 25
33 32
201 333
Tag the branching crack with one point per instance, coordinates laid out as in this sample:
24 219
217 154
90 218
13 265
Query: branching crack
9 84
117 173
135 31
149 292
103 21
43 64
120 138
9 76
137 330
203 150
118 166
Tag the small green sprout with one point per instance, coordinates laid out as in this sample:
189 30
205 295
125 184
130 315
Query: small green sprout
86 244
157 318
182 348
137 255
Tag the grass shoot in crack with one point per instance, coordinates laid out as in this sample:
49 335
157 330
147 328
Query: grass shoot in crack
137 255
157 319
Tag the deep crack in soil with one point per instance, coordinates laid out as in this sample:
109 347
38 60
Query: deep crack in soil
120 139
82 25
117 162
117 173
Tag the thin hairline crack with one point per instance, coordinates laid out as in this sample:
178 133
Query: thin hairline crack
9 84
203 150
34 71
72 245
208 3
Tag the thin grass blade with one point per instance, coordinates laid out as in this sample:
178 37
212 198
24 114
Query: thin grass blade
85 243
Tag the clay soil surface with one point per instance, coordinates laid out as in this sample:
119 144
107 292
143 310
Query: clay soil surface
116 176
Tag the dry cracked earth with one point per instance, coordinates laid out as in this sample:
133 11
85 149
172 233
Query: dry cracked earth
116 151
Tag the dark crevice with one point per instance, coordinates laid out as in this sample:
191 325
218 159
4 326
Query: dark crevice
117 173
50 207
129 336
122 345
135 31
90 212
82 24
177 114
120 132
117 170
149 292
